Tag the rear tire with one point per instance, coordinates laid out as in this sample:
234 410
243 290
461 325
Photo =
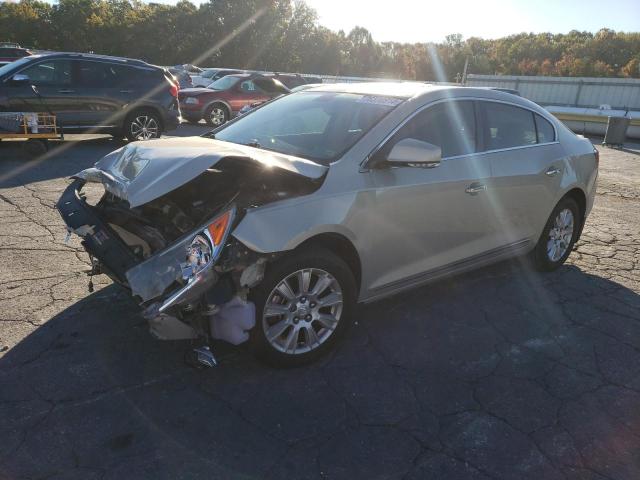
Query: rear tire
559 236
142 125
307 328
216 115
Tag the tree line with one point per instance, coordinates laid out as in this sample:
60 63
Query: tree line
285 35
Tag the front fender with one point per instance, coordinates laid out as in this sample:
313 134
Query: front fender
283 227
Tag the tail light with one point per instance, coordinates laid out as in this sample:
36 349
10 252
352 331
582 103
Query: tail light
597 155
174 90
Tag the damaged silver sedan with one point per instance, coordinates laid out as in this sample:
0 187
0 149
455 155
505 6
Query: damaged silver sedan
271 228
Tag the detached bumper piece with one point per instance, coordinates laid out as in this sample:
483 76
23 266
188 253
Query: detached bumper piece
97 238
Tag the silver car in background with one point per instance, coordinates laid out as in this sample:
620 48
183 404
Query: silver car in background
271 228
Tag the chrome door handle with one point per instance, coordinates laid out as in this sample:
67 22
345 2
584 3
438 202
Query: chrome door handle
552 171
475 188
126 91
66 91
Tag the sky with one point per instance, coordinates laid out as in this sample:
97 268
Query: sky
429 21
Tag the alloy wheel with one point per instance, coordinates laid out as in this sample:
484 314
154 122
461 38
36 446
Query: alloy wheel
218 116
560 235
144 127
302 311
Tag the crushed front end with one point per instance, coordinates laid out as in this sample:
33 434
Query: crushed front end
174 250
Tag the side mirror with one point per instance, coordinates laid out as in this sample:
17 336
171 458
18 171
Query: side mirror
20 79
414 153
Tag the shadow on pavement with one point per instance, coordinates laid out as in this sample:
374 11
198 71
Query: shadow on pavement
62 160
502 371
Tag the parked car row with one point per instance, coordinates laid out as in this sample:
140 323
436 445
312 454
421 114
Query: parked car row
235 93
131 98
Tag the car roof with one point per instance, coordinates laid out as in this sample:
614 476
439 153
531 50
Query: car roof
391 89
238 75
92 56
418 90
250 75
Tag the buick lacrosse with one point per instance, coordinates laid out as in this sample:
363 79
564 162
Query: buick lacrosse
272 227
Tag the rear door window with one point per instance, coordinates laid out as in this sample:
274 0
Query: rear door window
545 130
270 85
52 73
507 126
97 74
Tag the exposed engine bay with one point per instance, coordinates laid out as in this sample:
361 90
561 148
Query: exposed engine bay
153 226
172 247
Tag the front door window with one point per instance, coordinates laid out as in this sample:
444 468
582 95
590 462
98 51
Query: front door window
52 73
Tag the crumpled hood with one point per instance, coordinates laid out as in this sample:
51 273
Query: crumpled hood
143 171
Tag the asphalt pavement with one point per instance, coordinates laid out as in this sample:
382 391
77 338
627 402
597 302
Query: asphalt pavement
503 373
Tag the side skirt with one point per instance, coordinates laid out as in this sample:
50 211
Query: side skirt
472 263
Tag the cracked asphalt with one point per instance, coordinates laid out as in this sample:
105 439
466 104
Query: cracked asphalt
499 374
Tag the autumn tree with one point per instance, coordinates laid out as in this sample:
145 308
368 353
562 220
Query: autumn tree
285 35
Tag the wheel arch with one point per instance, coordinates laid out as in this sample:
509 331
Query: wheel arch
141 108
580 197
342 247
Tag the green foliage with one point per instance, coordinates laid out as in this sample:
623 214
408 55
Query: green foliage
284 35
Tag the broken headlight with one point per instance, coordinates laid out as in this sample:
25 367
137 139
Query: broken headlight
206 246
198 256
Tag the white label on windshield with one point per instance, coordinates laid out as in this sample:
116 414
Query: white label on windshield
380 100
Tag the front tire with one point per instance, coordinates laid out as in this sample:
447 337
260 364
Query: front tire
303 307
559 236
142 125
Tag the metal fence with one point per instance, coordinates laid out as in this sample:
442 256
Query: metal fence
585 92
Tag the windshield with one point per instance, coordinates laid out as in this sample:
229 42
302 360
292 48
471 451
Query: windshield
9 67
224 83
320 126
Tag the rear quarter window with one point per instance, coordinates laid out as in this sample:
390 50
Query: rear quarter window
138 78
546 133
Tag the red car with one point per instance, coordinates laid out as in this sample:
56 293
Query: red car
10 53
223 99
